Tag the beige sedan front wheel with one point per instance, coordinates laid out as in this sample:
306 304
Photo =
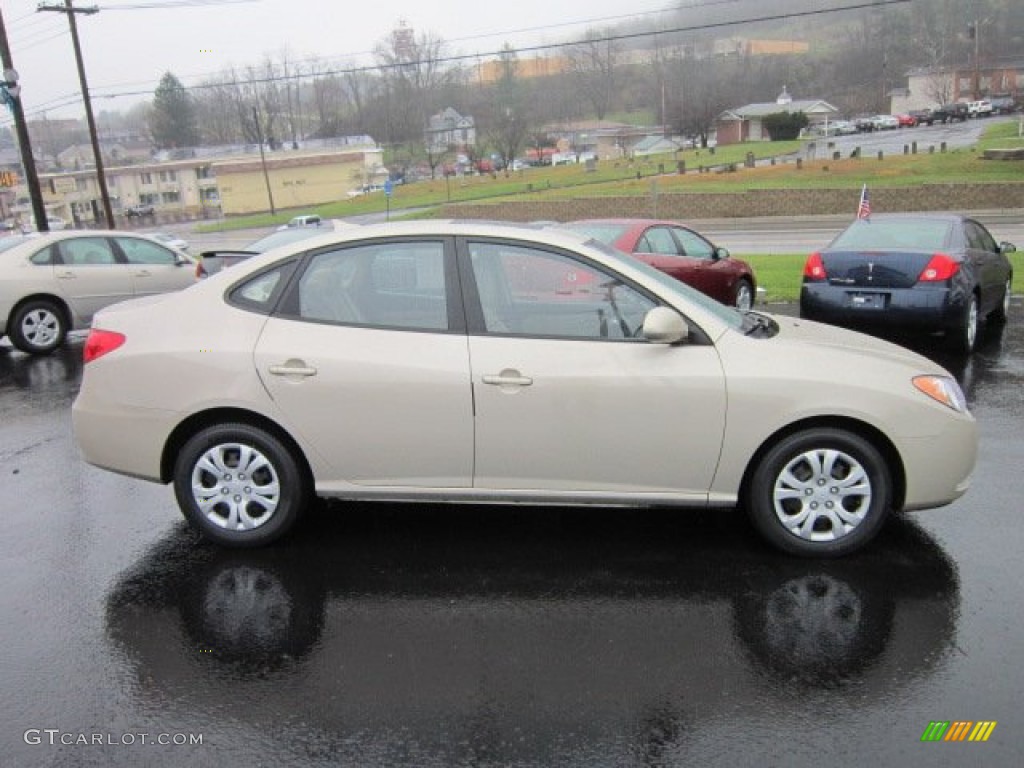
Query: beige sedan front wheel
820 493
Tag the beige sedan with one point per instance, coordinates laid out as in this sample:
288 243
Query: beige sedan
474 362
50 284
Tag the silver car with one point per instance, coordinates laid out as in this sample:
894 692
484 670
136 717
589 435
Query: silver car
53 283
474 362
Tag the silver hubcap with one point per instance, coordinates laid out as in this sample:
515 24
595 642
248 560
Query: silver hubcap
744 300
40 327
972 324
1006 299
236 487
822 495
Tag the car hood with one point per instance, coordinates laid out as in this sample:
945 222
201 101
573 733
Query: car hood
822 336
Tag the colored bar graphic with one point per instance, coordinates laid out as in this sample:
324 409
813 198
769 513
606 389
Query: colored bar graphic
983 730
935 731
959 730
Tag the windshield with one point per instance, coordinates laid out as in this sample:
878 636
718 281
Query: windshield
284 237
894 234
604 231
12 240
726 314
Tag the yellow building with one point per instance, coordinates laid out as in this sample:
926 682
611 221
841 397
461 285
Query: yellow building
208 187
295 180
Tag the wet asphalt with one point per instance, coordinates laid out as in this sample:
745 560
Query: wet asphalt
388 635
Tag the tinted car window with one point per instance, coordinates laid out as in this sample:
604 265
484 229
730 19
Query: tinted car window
528 291
979 237
388 285
694 245
260 293
86 251
44 257
906 234
658 240
145 252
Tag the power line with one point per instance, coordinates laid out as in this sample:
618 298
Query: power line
537 48
707 26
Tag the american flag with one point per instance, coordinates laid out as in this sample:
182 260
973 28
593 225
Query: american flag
864 209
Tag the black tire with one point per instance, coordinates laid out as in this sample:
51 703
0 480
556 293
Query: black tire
38 327
743 291
964 337
239 513
1002 312
845 501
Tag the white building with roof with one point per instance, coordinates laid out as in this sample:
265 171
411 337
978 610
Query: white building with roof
745 123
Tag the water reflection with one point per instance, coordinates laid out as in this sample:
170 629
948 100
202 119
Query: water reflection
60 370
516 633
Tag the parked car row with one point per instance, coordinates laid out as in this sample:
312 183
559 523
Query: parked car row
601 369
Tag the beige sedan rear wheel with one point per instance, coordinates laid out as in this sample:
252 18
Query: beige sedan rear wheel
239 485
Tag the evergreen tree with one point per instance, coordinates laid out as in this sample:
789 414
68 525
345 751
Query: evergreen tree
172 121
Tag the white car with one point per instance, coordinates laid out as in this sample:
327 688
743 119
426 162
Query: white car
170 240
484 363
53 283
980 108
308 220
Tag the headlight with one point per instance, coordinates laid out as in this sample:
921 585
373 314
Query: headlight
944 389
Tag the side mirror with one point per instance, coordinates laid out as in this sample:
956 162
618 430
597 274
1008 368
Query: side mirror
1006 247
664 326
720 253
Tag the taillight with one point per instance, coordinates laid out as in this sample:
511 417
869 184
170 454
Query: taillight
941 267
814 269
98 343
200 270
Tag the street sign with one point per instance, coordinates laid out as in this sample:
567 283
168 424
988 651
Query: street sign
388 187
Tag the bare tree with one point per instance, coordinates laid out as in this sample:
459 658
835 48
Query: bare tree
413 70
593 64
218 121
508 121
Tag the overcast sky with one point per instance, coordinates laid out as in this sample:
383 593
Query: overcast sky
129 44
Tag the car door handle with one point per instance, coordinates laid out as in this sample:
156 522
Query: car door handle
143 273
292 368
66 275
508 379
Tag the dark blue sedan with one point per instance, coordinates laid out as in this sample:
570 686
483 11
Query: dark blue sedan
926 272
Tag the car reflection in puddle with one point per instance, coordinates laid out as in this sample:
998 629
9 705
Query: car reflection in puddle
526 633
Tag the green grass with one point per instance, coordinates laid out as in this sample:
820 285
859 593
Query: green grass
781 274
639 176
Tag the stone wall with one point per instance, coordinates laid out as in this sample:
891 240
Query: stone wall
753 202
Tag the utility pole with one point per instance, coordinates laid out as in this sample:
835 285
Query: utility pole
263 160
101 176
13 92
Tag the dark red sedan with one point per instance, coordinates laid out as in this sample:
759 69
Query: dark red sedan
677 251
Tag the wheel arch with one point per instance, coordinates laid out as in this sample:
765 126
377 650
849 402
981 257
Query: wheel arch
862 429
199 421
53 298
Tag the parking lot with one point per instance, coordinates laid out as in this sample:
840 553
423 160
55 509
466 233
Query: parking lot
390 635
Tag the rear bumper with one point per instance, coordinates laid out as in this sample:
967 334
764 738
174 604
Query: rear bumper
932 308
